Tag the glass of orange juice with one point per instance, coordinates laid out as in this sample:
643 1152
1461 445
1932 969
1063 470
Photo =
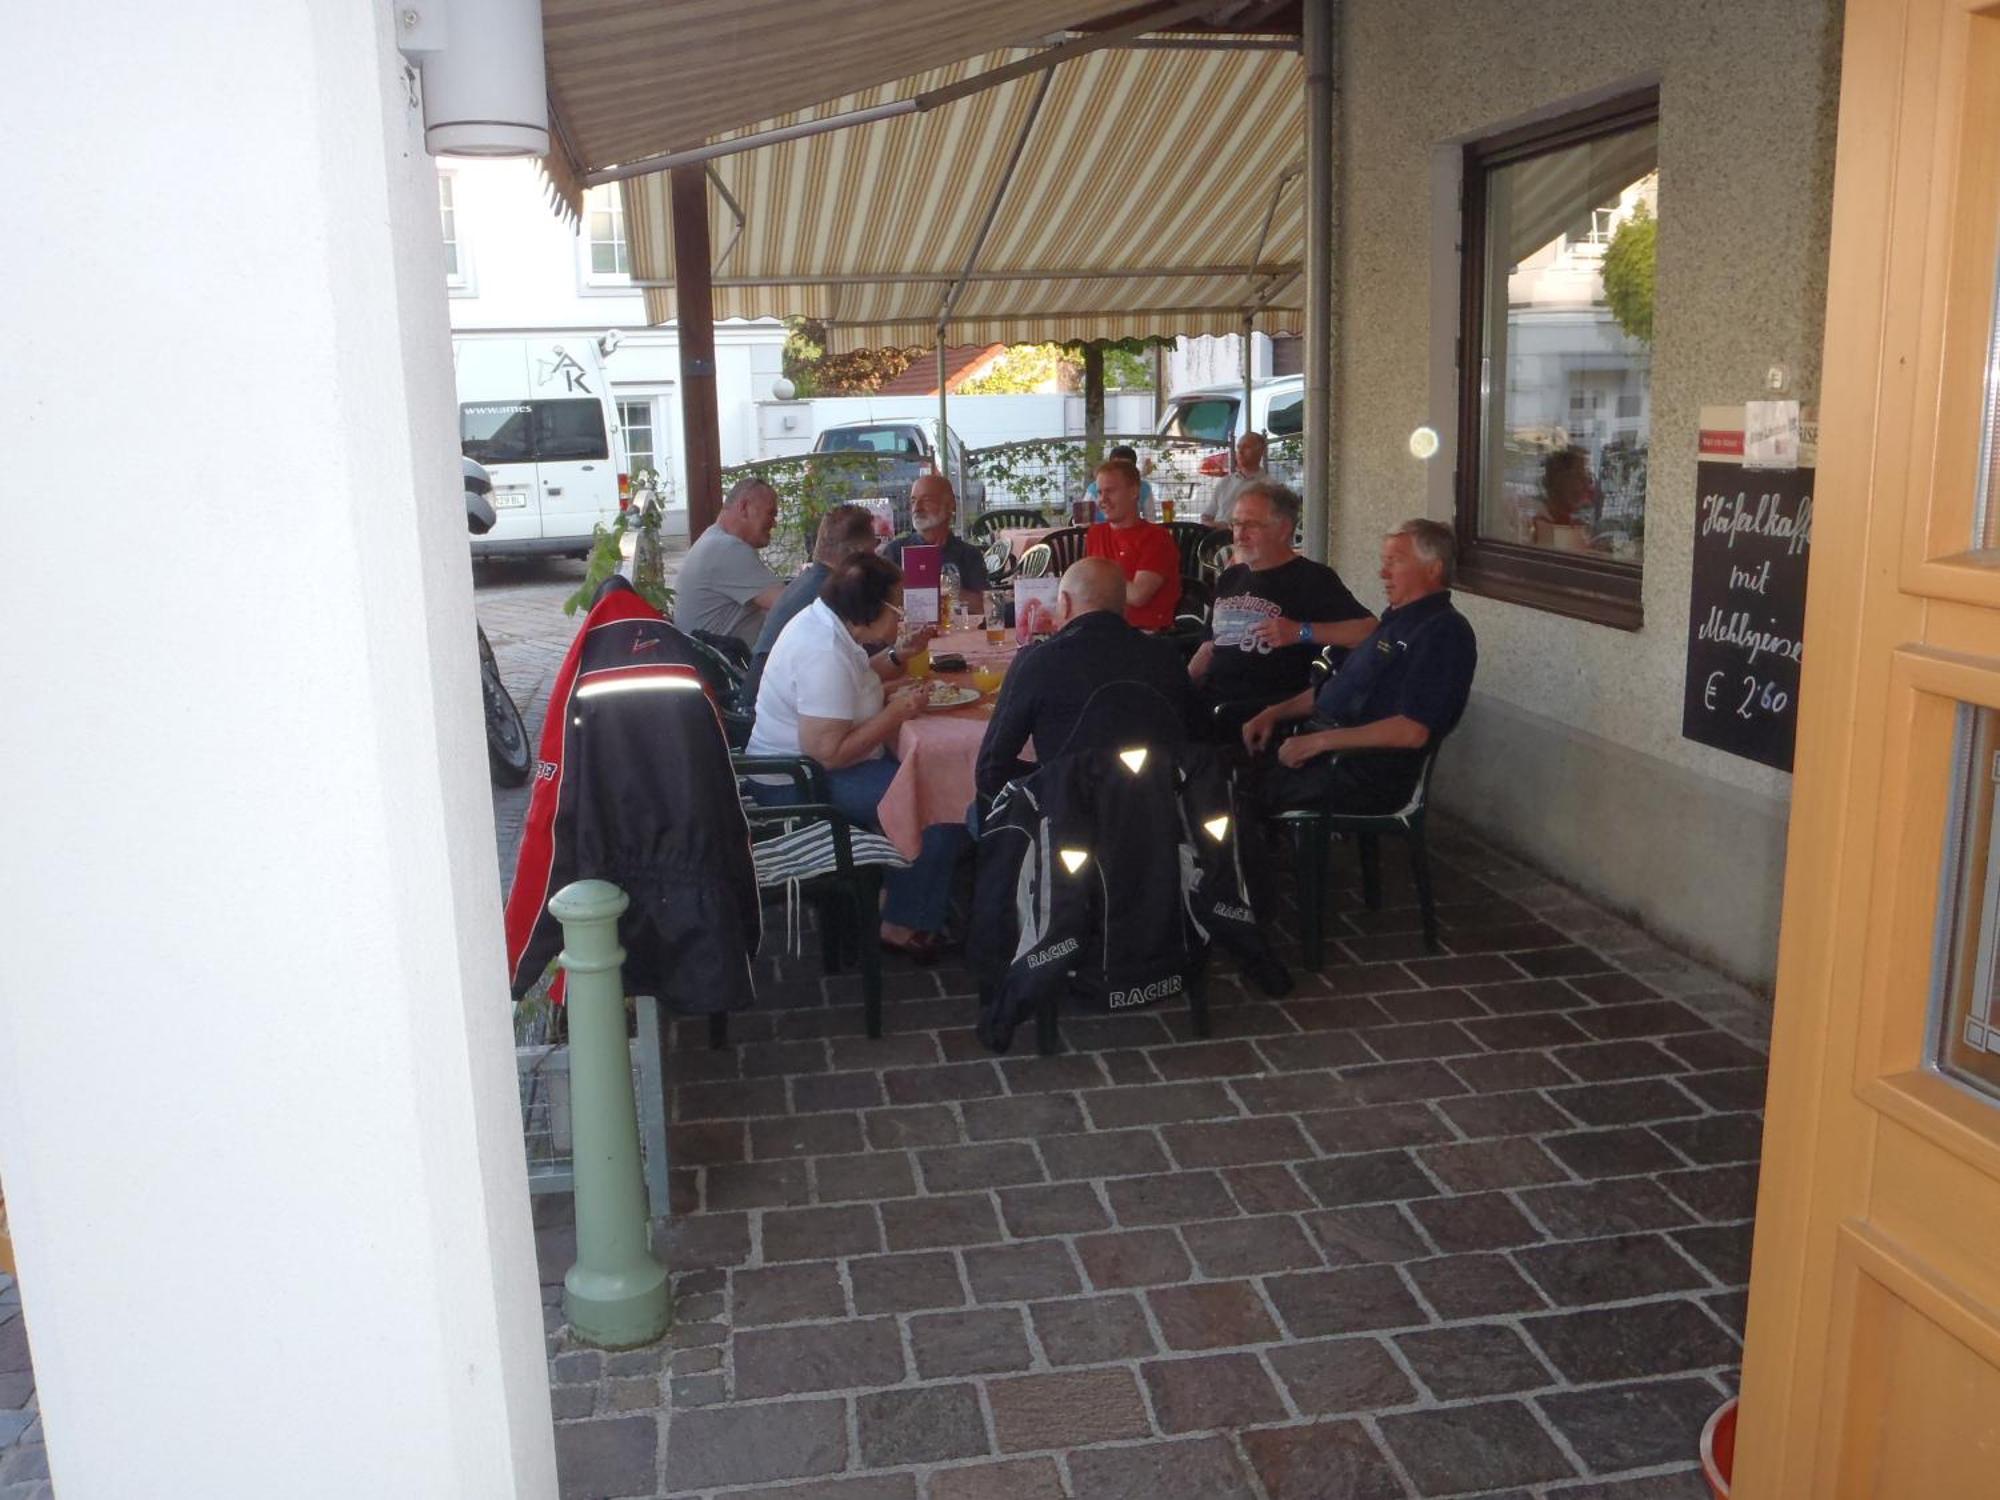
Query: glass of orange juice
919 665
986 676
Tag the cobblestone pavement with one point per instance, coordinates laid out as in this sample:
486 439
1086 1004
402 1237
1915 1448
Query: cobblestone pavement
1473 1224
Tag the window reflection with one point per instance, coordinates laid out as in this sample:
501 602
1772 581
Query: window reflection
1968 1038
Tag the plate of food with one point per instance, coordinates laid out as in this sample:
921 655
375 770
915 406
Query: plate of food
947 696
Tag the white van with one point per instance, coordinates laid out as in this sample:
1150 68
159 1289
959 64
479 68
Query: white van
1214 413
538 413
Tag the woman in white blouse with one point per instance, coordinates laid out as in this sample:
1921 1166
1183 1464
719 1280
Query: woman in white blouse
824 696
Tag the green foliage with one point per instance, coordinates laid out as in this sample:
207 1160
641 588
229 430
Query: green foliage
817 373
808 486
641 520
804 349
1027 367
1628 274
1044 472
1127 370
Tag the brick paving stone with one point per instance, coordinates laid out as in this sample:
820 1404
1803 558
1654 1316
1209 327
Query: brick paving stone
1265 1189
1376 1127
1648 1018
868 1487
1483 1221
1712 1050
926 1425
1370 1177
1687 1484
777 1059
1129 1258
1569 960
1720 1195
816 1233
1633 1426
916 1125
1504 1162
1471 968
771 1184
1615 989
1011 1479
1395 1083
565 1401
1723 1250
690 1390
1119 1153
1527 997
1250 1247
1212 1315
1339 1014
978 1080
1102 1033
1313 1051
1434 1005
1059 1208
953 1169
1474 1286
837 1091
1273 1094
935 1223
786 1294
1369 979
733 1100
1235 1143
1631 1103
1515 1033
1092 1330
918 1050
1321 1461
905 1283
1517 1113
1067 1410
1615 1205
1328 1376
1366 1235
1031 1115
1622 1151
1191 1469
706 1240
817 1357
1731 1090
1715 1139
1168 1198
1608 1270
598 1460
705 1142
1211 1392
1604 1061
1209 1059
1625 1343
1023 1272
1730 1308
1507 1071
1422 1039
988 1342
1476 1359
1035 1075
867 1175
805 1135
1478 1447
727 1445
1316 1304
1157 1104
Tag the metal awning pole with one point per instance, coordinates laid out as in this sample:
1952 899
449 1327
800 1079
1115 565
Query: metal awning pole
694 320
1319 59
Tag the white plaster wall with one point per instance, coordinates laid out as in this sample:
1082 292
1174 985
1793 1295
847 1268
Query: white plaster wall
1201 359
1748 89
257 1115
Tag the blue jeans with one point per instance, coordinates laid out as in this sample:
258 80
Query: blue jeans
919 897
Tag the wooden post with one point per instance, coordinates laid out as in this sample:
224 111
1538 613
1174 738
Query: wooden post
694 318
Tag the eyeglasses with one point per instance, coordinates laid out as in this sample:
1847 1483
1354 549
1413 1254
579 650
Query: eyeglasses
1238 524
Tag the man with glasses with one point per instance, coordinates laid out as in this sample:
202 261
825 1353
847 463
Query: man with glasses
1273 612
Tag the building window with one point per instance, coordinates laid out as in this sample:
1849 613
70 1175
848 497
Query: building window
1556 358
604 227
636 417
454 253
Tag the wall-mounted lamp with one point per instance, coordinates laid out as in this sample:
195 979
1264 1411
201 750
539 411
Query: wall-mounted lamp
1424 443
485 89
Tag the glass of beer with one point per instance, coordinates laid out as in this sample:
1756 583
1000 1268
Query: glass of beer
996 619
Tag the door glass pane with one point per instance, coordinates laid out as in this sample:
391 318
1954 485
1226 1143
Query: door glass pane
1968 1040
1567 346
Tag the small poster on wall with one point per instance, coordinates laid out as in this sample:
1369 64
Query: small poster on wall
1747 593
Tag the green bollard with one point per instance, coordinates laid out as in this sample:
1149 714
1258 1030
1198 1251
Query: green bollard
616 1295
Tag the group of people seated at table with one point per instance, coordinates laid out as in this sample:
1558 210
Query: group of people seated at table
832 682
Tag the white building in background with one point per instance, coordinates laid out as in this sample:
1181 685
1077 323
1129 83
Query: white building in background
513 266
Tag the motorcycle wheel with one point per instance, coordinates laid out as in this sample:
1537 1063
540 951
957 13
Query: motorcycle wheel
509 756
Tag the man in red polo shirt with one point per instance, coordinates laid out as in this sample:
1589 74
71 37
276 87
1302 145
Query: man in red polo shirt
1145 553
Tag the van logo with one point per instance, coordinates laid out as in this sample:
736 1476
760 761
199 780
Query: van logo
565 365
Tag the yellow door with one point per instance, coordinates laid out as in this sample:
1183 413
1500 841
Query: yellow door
1872 1365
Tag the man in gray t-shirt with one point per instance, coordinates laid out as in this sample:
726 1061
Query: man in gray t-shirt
723 587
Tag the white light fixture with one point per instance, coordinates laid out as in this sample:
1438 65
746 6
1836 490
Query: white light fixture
485 81
1135 760
1218 827
1073 859
1424 442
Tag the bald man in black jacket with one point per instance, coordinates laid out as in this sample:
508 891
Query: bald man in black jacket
1119 684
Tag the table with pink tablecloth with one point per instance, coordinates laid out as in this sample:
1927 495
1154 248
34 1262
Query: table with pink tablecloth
939 750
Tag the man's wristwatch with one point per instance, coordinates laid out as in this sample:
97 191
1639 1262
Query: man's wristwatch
895 660
1306 631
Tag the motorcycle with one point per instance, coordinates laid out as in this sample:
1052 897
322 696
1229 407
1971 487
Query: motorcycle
510 757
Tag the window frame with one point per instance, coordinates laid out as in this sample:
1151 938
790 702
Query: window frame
592 279
1604 591
458 283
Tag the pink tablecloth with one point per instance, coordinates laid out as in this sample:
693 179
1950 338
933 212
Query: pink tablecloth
939 749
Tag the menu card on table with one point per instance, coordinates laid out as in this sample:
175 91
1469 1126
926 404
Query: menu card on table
1034 607
920 584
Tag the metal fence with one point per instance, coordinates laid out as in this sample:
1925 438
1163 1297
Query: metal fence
541 1063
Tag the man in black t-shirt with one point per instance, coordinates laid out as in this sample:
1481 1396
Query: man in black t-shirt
1273 611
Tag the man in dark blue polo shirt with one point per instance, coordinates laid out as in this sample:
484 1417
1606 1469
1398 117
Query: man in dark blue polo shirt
1400 690
932 506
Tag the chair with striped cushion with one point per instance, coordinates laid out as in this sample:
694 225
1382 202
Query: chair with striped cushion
810 847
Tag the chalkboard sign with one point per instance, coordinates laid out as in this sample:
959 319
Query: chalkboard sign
1747 603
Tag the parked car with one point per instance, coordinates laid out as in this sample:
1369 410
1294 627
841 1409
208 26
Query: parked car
909 447
1214 414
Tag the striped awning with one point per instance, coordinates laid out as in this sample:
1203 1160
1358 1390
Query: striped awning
1137 208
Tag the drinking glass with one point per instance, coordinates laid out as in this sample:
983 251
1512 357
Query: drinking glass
986 676
948 582
996 620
